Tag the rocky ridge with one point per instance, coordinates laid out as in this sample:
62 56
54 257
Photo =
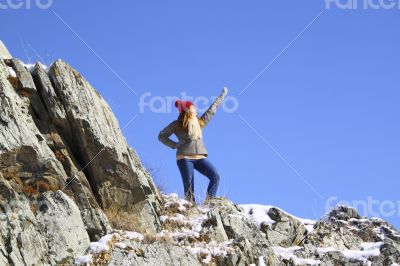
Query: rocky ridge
225 233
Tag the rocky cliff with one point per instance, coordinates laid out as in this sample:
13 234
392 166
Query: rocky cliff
64 163
73 192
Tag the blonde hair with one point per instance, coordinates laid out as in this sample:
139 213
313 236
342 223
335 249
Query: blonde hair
184 117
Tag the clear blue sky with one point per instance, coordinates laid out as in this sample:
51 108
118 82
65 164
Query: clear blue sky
328 105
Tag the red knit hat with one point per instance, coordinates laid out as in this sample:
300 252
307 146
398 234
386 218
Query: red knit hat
183 105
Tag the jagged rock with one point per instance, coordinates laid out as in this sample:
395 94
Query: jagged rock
47 233
23 154
213 227
334 235
390 254
24 77
95 221
343 229
286 231
117 181
343 213
26 87
41 131
28 167
371 242
52 102
226 221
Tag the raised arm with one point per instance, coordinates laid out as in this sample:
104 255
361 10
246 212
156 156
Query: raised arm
206 117
164 135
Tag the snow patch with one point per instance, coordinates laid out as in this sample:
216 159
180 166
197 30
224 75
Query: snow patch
261 261
368 250
258 213
173 199
84 260
308 224
121 245
105 239
96 247
211 249
11 72
102 245
371 245
190 225
133 235
288 254
31 67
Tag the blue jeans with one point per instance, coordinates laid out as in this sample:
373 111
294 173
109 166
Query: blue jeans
203 166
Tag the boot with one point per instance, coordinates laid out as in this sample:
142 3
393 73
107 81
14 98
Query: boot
210 200
190 197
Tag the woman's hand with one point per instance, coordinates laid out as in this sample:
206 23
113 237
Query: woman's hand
224 91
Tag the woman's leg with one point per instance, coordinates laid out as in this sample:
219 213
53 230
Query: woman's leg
205 167
186 169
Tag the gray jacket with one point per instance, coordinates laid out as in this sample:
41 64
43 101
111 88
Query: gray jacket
185 144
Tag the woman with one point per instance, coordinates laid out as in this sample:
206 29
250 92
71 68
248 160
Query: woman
191 153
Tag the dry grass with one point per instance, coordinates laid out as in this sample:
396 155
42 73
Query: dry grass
150 238
172 224
29 190
204 238
122 220
174 208
31 186
40 186
213 262
104 258
139 252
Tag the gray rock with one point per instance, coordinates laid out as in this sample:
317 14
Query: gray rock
48 233
390 254
343 213
52 102
4 53
226 221
40 136
95 221
59 218
153 254
23 152
114 176
21 241
27 88
24 77
213 227
286 231
334 235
